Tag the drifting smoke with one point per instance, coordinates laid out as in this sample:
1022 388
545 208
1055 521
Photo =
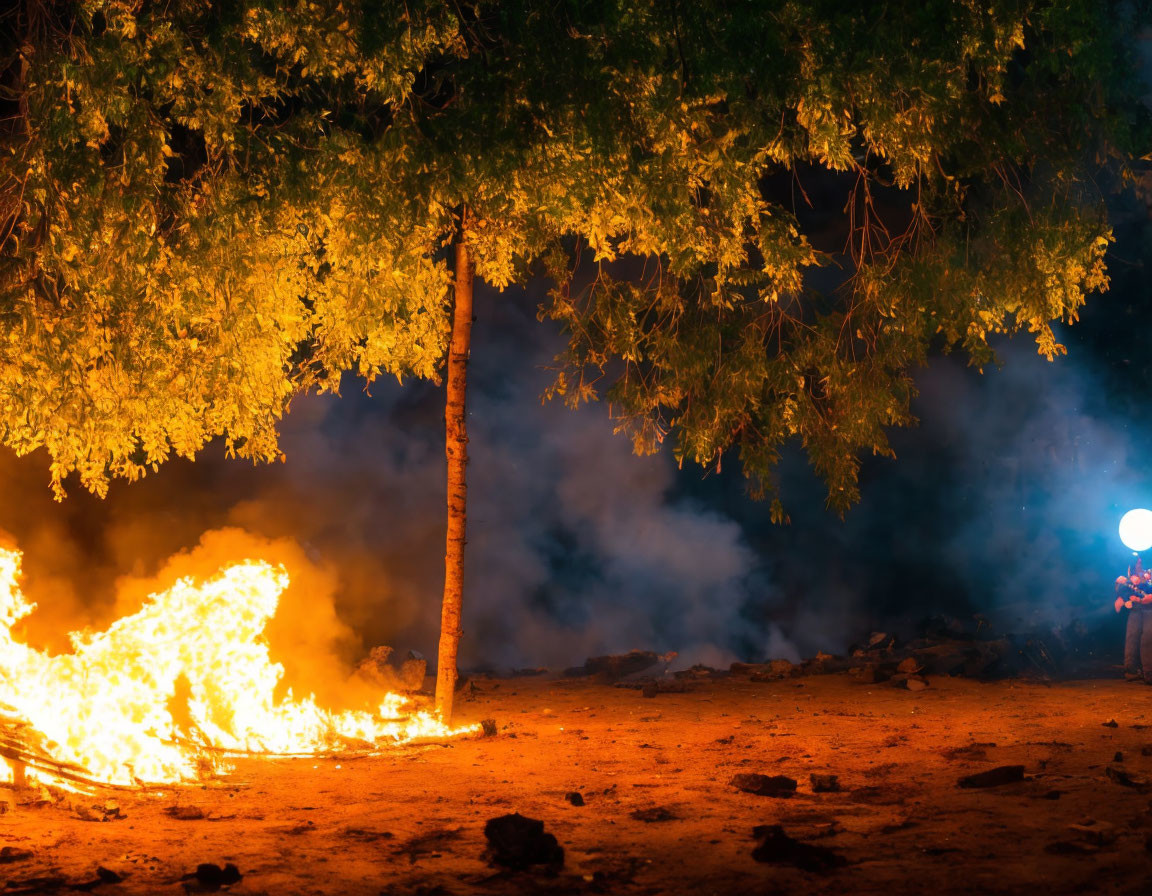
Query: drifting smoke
1003 503
1044 462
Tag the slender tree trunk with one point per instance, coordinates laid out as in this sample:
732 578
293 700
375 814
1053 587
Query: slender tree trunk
456 451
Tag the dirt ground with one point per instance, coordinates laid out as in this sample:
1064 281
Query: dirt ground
660 814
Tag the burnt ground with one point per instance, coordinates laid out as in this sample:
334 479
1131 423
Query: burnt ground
660 814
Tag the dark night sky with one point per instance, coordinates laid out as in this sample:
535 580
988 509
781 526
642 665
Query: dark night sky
1004 501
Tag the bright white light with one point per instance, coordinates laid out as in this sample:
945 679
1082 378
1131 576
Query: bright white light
1136 529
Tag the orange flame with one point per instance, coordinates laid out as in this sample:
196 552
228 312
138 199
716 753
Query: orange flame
141 701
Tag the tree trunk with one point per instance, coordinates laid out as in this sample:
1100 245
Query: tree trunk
456 451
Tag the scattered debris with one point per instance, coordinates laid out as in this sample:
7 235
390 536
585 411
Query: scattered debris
880 641
575 798
613 668
945 659
700 672
824 663
29 885
764 785
1070 848
995 777
103 876
874 673
975 750
107 811
293 830
774 670
825 783
431 843
210 877
1125 780
778 848
653 686
1096 833
366 835
656 813
517 842
949 646
184 813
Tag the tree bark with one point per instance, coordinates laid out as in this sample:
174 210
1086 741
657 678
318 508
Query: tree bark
456 452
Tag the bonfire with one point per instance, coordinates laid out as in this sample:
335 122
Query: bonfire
168 694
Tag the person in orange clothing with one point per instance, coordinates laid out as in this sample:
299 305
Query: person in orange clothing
1134 593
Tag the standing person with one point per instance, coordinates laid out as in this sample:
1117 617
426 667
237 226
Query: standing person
1134 592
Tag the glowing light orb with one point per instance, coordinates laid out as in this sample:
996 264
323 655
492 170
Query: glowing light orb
1136 529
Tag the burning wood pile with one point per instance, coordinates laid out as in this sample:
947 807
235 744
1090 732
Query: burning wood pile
167 694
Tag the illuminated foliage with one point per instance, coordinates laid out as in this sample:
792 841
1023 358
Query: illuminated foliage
211 207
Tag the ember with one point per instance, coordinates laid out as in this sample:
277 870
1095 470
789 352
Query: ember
166 694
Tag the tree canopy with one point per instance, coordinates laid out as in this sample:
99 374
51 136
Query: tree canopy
208 208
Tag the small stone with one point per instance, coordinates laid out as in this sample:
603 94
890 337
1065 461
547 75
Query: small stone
488 727
517 842
699 672
764 785
184 813
1111 723
915 684
1096 833
778 848
655 814
995 777
869 674
825 783
612 668
1119 757
212 877
775 669
575 798
10 854
1071 848
1124 779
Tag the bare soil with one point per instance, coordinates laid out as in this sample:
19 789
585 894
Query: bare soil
659 813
